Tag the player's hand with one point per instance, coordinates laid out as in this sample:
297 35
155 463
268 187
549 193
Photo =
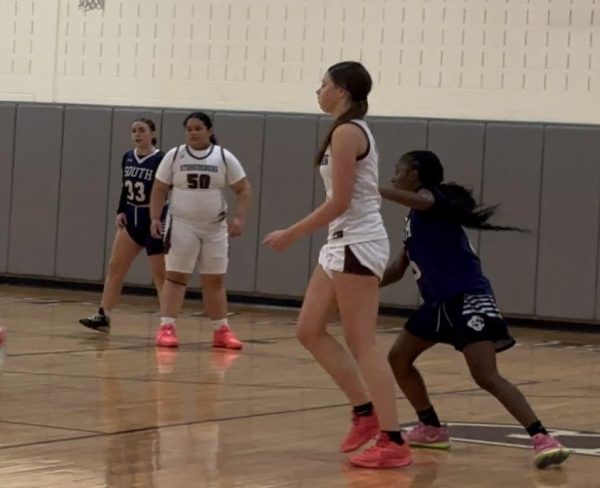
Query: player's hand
156 229
279 240
235 227
121 220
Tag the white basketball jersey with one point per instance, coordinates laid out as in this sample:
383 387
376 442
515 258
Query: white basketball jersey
362 220
197 179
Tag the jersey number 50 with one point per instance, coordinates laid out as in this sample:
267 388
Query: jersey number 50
196 181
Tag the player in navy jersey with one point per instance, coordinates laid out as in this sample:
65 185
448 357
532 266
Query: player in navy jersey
133 221
458 308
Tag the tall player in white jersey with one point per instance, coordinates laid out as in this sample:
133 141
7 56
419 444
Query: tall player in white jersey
351 264
196 173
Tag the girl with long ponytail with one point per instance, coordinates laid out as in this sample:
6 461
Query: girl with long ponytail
459 307
351 264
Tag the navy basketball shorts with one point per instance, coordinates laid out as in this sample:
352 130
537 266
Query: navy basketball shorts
460 321
138 228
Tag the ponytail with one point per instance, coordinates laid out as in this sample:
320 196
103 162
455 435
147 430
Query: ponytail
459 205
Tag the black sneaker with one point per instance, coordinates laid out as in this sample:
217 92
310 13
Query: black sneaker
97 321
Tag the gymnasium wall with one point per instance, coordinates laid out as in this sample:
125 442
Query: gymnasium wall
446 73
526 60
61 178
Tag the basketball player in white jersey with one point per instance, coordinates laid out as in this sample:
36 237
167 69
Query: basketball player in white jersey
197 232
351 264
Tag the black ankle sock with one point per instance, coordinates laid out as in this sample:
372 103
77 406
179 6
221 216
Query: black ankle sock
429 417
364 410
536 428
101 312
395 436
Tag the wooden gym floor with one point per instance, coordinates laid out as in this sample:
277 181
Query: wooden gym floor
86 409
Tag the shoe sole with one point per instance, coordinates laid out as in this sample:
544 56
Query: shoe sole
431 445
387 465
98 328
552 458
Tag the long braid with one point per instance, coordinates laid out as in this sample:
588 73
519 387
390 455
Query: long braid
459 205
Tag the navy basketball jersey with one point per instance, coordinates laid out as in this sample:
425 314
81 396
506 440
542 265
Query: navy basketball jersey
138 177
441 256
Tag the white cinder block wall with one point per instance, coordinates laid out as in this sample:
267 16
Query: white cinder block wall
533 60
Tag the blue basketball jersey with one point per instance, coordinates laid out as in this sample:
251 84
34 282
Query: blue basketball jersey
138 178
441 256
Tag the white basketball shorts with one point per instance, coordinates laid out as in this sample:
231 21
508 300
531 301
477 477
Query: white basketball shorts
205 244
363 258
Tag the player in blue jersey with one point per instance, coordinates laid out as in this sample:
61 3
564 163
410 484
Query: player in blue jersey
133 221
458 308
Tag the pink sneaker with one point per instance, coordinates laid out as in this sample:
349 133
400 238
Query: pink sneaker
224 337
384 454
166 336
422 435
362 430
548 451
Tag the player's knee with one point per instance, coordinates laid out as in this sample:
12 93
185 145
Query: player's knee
159 278
308 336
159 274
215 282
395 358
116 268
358 344
402 364
487 381
179 279
304 335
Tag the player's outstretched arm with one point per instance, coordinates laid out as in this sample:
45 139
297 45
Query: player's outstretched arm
420 200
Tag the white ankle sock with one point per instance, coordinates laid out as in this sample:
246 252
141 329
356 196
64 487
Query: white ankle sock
218 323
167 320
